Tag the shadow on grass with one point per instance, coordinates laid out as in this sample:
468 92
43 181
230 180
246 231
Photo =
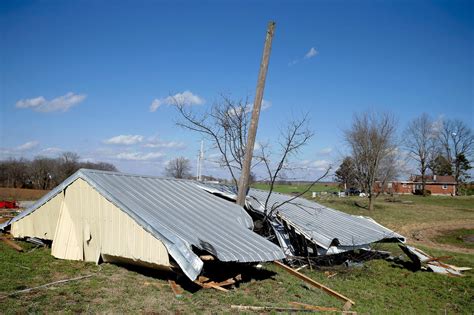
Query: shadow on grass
214 270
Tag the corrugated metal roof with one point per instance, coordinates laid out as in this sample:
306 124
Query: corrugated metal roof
324 224
181 215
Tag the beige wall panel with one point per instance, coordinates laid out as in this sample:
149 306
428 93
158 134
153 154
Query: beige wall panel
105 229
40 223
68 242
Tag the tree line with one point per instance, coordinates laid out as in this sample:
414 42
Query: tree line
435 147
44 172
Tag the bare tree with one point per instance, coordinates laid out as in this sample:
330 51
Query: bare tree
457 141
69 163
225 125
44 172
371 139
292 139
178 168
420 139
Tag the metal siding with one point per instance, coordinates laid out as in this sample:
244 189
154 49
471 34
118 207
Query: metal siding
41 223
325 224
186 211
86 215
176 212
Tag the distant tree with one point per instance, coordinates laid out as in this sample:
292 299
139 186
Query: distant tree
44 172
371 139
440 166
457 141
420 138
464 166
69 164
346 174
14 173
178 168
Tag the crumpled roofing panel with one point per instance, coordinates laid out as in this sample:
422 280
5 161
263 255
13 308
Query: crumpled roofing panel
181 215
324 224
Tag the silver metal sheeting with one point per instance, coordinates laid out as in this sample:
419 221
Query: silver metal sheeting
323 224
181 215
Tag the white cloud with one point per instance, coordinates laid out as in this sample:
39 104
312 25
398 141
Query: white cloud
125 139
61 103
325 151
27 146
51 151
185 98
139 156
321 165
248 108
311 53
156 142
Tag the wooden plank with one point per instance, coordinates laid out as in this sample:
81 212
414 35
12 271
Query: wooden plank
207 257
177 290
314 307
46 285
315 283
242 308
12 244
214 285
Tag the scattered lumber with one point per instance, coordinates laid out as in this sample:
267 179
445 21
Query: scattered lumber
242 308
46 285
348 302
422 260
12 244
207 257
177 290
314 307
205 282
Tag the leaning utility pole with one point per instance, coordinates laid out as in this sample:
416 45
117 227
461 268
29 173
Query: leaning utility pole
244 176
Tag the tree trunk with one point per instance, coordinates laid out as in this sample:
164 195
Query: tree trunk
423 183
371 202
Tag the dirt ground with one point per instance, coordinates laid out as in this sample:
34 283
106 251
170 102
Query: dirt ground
426 233
21 194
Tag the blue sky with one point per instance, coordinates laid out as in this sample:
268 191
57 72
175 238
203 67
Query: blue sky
81 75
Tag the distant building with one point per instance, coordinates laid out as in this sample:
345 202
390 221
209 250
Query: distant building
437 185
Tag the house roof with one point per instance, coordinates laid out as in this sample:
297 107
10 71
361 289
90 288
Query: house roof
435 179
181 215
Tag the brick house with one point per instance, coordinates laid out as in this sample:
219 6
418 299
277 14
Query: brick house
438 185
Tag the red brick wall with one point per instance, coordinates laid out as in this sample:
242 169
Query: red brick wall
437 189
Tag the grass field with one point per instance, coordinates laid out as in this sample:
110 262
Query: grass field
378 287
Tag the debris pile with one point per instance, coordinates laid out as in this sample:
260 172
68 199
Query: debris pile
423 261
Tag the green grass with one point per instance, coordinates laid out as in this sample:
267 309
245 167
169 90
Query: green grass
379 287
455 237
420 210
295 188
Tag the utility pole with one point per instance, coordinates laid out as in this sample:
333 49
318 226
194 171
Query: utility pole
199 162
244 176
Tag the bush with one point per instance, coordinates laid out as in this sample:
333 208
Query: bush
419 192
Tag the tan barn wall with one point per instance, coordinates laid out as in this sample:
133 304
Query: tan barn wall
40 223
88 226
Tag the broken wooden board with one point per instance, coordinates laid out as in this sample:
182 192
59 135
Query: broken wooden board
177 290
314 307
348 302
12 244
